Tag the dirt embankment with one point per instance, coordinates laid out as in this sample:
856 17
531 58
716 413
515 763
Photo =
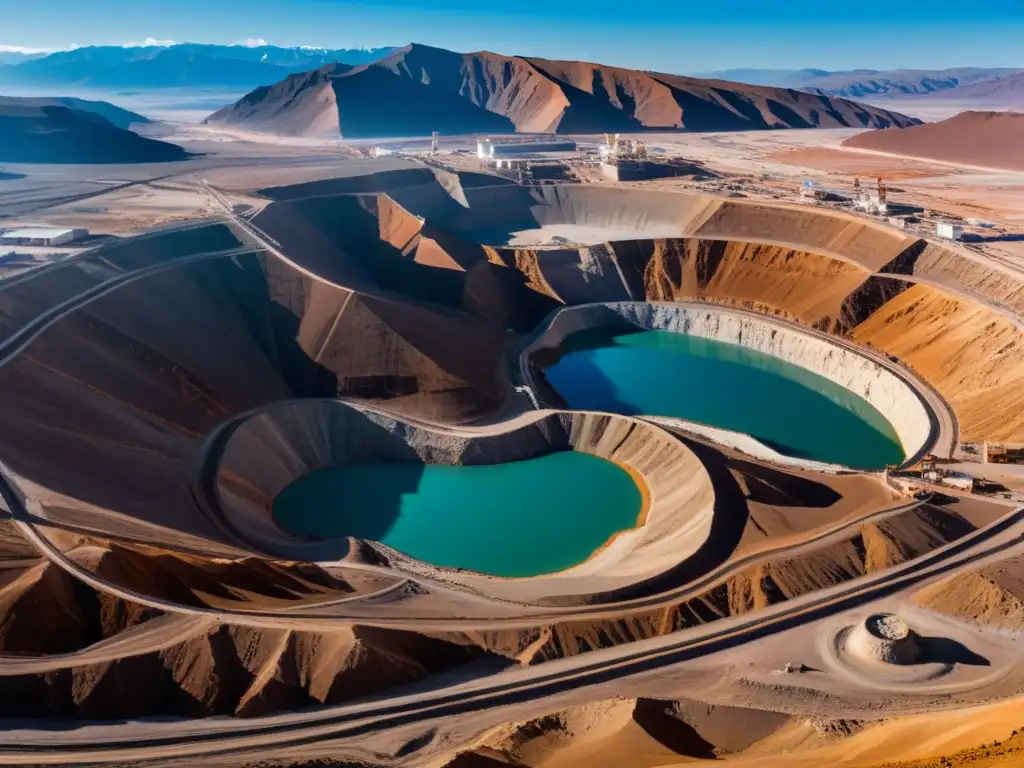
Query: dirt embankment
999 753
43 611
992 596
990 139
220 670
518 287
647 733
768 278
205 583
867 548
642 733
237 671
969 353
955 269
849 237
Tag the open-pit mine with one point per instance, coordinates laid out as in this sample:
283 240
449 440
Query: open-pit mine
402 465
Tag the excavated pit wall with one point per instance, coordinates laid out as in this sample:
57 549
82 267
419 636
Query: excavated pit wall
269 450
889 394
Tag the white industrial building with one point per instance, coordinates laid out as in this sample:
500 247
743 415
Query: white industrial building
871 202
949 231
875 202
42 236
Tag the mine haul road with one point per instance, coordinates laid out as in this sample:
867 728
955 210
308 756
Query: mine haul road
143 740
152 636
15 343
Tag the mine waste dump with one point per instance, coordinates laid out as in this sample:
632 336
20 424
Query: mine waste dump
788 408
478 518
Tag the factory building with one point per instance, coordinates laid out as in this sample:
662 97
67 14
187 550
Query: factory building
626 160
871 202
42 236
812 190
949 231
615 147
488 149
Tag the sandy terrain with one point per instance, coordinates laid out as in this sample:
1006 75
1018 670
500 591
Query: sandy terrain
990 139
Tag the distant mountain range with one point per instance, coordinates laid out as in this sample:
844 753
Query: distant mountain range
871 83
185 65
17 56
1006 91
419 89
75 131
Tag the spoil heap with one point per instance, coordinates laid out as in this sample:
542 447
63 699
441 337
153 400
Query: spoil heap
884 637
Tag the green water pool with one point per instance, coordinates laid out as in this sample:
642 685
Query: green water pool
523 518
794 411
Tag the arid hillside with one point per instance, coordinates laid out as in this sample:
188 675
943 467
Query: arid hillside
992 596
421 89
32 131
993 139
122 118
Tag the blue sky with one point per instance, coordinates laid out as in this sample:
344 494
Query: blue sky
671 35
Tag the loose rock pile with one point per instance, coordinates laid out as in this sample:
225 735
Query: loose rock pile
884 637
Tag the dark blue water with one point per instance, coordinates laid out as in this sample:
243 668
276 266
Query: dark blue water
524 518
794 411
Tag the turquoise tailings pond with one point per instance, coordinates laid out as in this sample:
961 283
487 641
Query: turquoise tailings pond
788 408
520 519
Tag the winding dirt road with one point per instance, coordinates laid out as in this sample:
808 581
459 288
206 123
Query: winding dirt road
220 737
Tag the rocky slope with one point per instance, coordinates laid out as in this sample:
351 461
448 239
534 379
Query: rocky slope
992 596
43 610
230 670
60 626
993 139
966 351
420 89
